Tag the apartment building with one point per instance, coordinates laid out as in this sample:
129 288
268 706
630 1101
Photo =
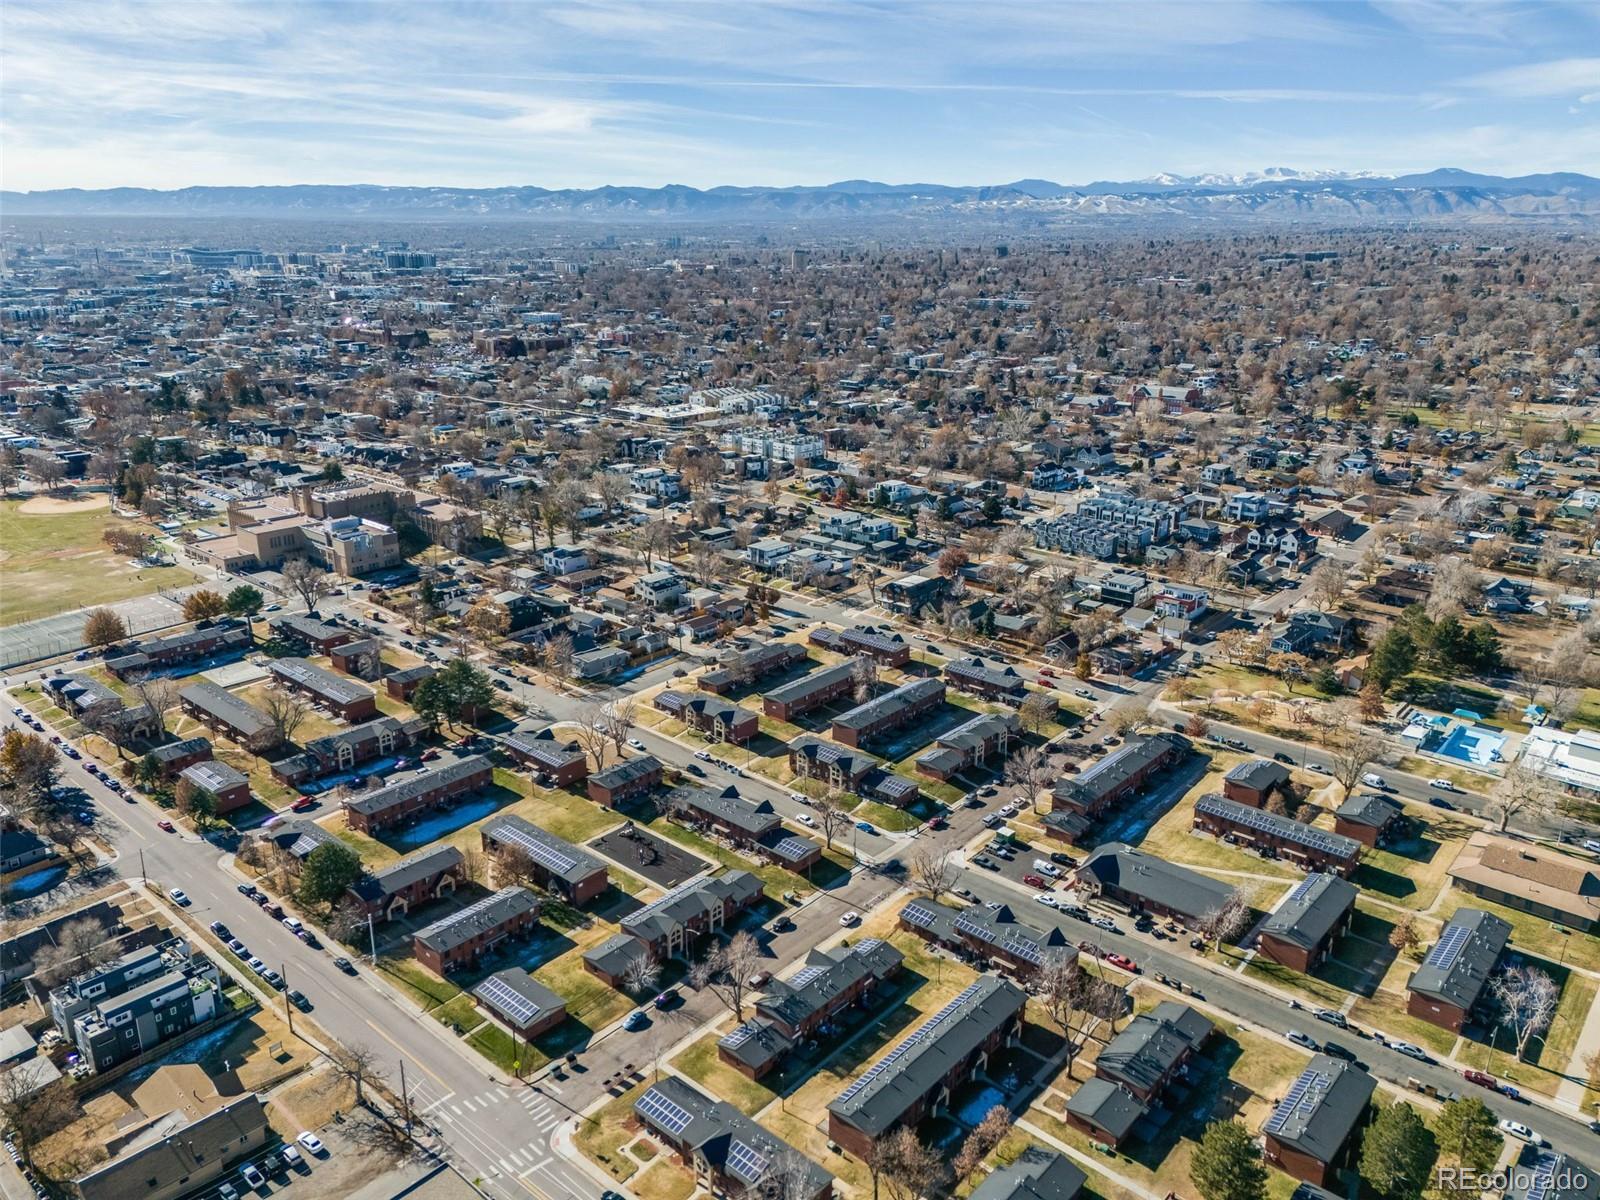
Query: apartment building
521 1003
415 880
1370 818
1301 931
230 786
149 654
978 678
810 692
220 711
715 718
1312 1130
985 934
887 713
1143 883
622 781
1136 1068
1254 782
309 634
1275 836
747 668
1531 879
347 749
561 763
917 1078
881 644
984 738
182 1136
1078 802
464 938
552 862
676 922
397 802
1455 975
346 698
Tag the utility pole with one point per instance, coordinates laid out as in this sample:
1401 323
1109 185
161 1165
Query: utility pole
405 1096
142 875
372 940
288 1009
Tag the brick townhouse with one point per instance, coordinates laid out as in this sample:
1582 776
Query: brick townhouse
624 780
401 800
415 880
1077 803
714 718
464 938
346 698
554 863
1275 836
810 692
887 713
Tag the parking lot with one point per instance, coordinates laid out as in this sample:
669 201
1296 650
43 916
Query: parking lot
643 853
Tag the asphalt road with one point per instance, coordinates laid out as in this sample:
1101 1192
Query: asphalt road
1237 997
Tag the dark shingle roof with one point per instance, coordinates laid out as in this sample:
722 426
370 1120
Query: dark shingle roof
1459 964
1107 1105
1122 764
1259 773
1369 808
423 865
1316 905
1151 1045
817 681
419 784
731 1142
1035 1174
825 976
890 703
481 916
556 855
1322 1108
625 771
1153 879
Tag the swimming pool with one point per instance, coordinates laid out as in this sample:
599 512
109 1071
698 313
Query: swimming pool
1473 744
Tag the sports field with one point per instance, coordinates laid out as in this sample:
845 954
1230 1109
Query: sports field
52 560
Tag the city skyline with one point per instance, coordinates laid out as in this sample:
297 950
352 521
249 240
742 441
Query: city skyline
589 94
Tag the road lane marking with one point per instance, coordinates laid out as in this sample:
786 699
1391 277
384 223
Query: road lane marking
408 1054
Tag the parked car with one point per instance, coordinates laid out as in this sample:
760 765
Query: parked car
1302 1039
345 965
1105 923
299 1000
1338 1051
807 820
668 998
1373 780
850 918
1410 1051
1444 785
1123 961
239 948
247 889
1048 899
1038 881
166 826
179 897
1333 1017
636 743
1481 1078
303 803
221 930
984 862
1520 1131
636 1020
865 827
1439 803
252 1177
311 1142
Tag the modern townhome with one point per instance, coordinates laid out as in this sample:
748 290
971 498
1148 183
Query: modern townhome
1254 781
346 698
1311 1132
992 934
917 1078
1530 879
1148 884
844 770
172 757
977 677
136 1002
1452 978
753 826
887 713
220 711
1369 817
1035 1174
729 1153
716 719
1275 836
228 785
347 749
810 692
417 879
465 937
749 667
985 738
675 923
1135 1069
805 1005
623 780
398 802
551 862
152 654
562 763
1301 931
882 645
520 1002
1077 803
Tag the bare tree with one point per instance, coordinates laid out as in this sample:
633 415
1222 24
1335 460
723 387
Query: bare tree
557 656
594 731
1350 761
1036 711
32 1109
1520 790
1455 582
934 871
642 975
618 719
831 818
985 1136
1525 1003
285 713
864 674
308 580
1060 984
358 1064
1128 716
159 693
1030 771
790 1176
913 1168
728 969
1227 921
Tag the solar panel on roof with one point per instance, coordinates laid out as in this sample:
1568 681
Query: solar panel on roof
868 945
1449 947
916 1038
746 1162
740 1036
806 975
919 915
1265 822
544 855
1304 1095
663 1113
1544 1172
507 999
1303 889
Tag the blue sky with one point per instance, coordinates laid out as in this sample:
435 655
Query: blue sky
103 93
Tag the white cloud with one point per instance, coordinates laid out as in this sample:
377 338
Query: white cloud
1559 78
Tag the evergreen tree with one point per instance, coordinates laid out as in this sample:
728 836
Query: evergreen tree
1397 1154
327 871
1468 1140
1227 1165
1393 657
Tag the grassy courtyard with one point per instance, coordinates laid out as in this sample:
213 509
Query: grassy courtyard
55 561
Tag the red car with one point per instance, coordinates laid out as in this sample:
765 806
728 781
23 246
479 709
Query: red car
1037 881
1046 673
1123 961
936 823
429 755
166 825
1481 1078
303 803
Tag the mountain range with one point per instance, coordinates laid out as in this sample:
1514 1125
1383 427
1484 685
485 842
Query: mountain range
1276 194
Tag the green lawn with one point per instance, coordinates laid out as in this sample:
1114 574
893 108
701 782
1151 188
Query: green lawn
1548 1064
56 562
895 820
1532 934
700 1063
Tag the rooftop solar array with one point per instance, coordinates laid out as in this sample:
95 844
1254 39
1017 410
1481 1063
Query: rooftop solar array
746 1162
1303 889
507 999
1283 827
926 1030
806 974
1449 947
919 915
545 856
1544 1173
740 1035
663 1113
1303 1098
794 848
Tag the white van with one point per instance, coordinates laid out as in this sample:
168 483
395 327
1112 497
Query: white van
1045 867
292 924
1377 781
